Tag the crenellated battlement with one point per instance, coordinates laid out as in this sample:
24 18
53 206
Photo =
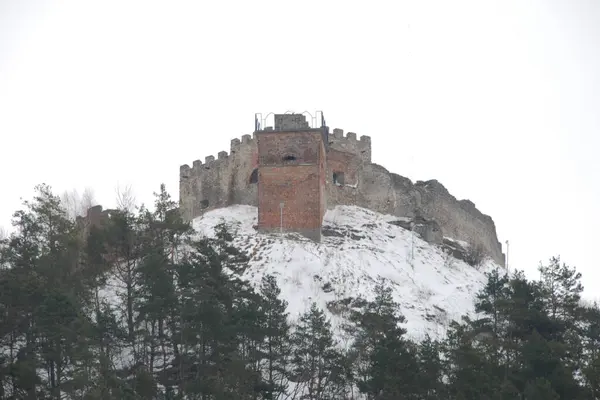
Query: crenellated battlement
245 148
185 171
338 134
245 145
350 144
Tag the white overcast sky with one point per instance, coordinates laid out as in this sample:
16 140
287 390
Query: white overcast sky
499 101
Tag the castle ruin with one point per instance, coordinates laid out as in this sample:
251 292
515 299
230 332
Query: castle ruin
295 170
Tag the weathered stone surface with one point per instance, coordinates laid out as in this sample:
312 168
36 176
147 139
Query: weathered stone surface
290 122
430 231
221 182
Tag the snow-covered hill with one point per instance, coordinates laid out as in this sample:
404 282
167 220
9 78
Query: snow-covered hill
359 247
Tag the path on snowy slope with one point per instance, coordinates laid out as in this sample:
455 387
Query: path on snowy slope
360 247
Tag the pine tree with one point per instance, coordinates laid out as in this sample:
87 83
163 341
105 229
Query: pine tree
45 257
540 389
220 323
471 374
109 338
386 363
590 341
122 247
315 358
491 329
492 302
275 349
561 290
162 233
431 369
187 324
519 344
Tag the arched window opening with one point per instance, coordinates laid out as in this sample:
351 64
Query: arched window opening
289 158
254 176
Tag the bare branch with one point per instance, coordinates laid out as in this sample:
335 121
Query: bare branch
125 198
88 200
76 205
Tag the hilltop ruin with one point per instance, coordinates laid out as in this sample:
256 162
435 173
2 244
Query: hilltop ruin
297 169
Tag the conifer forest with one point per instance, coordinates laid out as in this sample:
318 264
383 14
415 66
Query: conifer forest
187 326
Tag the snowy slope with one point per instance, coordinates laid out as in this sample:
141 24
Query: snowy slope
360 247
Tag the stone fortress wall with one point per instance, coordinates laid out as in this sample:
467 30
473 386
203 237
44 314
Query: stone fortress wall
220 181
351 179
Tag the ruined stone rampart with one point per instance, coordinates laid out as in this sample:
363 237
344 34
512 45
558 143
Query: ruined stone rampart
351 179
95 217
460 218
220 181
389 193
350 144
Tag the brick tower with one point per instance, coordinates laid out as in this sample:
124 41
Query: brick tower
291 176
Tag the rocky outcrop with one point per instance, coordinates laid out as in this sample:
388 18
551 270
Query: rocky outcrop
440 213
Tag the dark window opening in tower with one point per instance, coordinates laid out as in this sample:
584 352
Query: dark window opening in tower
254 176
289 158
338 178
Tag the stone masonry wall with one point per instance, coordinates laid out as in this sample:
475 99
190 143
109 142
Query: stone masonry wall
350 144
225 180
220 181
290 122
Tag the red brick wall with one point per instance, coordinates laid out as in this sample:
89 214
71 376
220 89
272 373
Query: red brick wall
299 188
300 183
323 180
274 146
339 161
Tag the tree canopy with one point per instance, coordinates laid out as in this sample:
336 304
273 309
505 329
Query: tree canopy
141 308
